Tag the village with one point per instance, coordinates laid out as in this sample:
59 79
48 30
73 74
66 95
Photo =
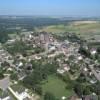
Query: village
45 47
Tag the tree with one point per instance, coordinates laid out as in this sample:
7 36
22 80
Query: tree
49 96
1 73
40 72
87 91
81 78
28 81
78 88
84 52
50 68
38 89
18 47
5 63
14 76
96 88
98 49
3 36
38 50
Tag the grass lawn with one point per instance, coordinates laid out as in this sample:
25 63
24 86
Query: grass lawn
57 87
17 87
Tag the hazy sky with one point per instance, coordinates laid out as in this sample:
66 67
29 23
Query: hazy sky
50 7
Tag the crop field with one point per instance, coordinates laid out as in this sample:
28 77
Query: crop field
85 29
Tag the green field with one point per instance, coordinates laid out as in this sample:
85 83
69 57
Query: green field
86 29
57 87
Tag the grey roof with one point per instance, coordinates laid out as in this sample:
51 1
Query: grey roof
4 83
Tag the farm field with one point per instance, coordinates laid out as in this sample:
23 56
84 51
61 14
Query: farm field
85 29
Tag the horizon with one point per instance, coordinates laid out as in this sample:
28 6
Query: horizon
61 8
47 16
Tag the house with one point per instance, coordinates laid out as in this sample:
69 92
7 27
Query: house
63 98
93 51
63 68
52 48
23 96
74 98
38 57
79 57
28 67
20 64
85 69
4 95
51 55
20 92
4 83
60 71
93 96
66 67
6 98
11 41
44 37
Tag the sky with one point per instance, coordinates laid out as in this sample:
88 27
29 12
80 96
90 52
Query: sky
50 7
